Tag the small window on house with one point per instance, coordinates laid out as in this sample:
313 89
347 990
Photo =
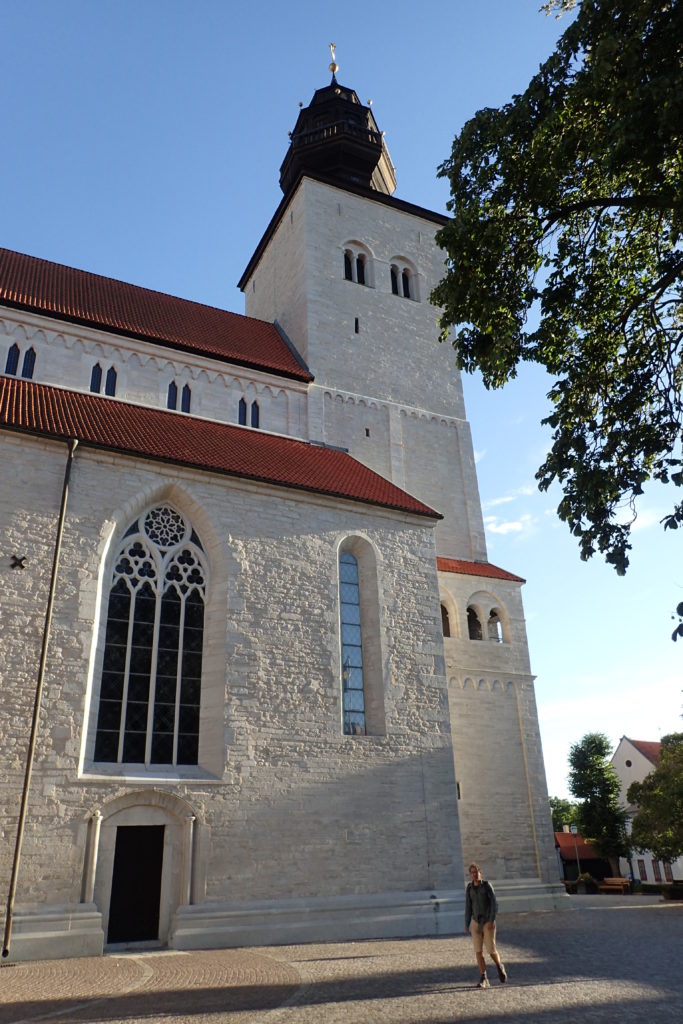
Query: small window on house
627 763
668 873
186 398
394 280
642 872
445 621
474 625
242 413
110 384
405 280
360 269
28 364
172 399
348 272
12 360
96 379
657 870
254 414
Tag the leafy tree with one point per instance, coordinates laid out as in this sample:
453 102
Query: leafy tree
567 204
594 782
658 824
563 812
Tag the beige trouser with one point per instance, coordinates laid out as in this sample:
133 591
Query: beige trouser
482 936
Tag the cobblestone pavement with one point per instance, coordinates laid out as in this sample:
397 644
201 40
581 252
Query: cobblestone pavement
606 959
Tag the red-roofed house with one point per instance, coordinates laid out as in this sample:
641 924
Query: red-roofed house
283 694
633 760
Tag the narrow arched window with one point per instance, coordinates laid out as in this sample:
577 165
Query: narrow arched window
110 383
242 413
172 397
474 625
353 695
12 360
405 279
348 271
28 364
151 670
360 269
394 280
96 379
186 398
254 414
445 621
495 627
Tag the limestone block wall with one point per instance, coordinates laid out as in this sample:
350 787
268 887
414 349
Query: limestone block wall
503 800
384 387
66 355
285 805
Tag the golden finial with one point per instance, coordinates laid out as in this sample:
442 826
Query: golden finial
334 67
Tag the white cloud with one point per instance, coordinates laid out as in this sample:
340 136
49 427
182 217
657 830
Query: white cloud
523 524
479 455
499 501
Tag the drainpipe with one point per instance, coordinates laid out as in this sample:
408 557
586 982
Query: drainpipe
73 444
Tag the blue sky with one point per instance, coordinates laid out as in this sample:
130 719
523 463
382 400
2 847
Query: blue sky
143 140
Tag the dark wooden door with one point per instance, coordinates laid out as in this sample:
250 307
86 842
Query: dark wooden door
136 883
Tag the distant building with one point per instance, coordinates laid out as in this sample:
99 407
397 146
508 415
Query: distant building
286 695
632 761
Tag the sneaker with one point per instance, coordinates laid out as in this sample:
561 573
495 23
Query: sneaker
502 973
483 982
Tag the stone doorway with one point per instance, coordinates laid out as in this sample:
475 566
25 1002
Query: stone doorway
136 883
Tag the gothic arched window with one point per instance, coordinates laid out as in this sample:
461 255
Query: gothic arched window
353 695
96 379
172 397
152 665
29 363
110 382
445 621
255 414
185 398
12 360
474 624
242 413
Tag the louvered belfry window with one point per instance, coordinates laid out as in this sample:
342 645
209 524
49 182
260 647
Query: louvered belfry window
152 665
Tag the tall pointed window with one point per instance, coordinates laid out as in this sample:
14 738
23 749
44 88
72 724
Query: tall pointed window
185 398
152 665
110 382
353 696
172 397
29 363
255 414
12 360
96 379
242 413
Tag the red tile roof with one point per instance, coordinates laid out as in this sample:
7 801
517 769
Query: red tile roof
126 309
648 748
218 447
565 842
476 569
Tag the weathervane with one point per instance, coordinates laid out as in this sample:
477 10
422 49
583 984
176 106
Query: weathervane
334 67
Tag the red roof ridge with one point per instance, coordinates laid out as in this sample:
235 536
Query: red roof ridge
468 568
165 436
80 296
651 749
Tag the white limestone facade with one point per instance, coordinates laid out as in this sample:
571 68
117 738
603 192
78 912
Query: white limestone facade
284 818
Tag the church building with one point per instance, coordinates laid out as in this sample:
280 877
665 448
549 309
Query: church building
259 681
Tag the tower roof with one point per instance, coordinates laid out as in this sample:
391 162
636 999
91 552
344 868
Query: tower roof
337 136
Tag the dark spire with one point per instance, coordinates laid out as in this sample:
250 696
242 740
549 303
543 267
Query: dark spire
337 137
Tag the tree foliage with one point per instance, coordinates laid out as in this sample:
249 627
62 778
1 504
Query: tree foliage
594 782
658 824
563 812
565 249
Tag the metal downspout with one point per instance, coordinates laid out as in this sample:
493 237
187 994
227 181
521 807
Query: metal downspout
73 444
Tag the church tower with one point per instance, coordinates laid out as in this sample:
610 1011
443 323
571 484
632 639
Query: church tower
345 270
